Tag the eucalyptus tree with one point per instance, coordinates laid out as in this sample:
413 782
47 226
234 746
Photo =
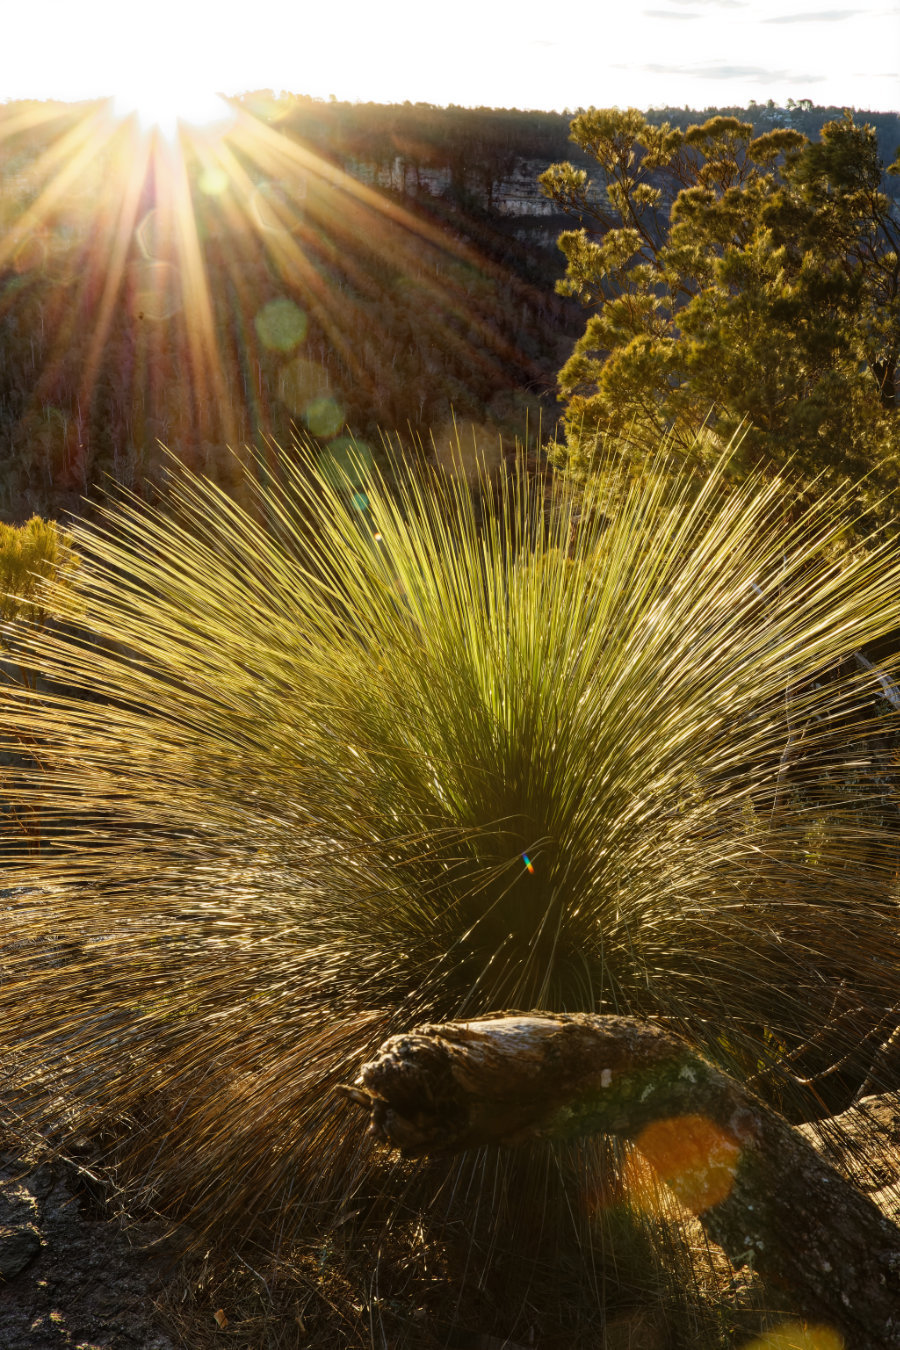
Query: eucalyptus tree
733 279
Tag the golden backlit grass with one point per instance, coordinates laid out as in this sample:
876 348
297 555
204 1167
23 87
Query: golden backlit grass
380 750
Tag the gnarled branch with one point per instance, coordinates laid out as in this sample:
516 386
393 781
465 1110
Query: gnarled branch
758 1186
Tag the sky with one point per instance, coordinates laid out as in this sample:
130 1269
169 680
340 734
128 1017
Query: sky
173 54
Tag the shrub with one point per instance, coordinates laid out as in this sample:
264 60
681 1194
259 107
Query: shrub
32 556
369 753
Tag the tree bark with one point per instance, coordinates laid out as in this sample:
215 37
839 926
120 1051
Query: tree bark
759 1188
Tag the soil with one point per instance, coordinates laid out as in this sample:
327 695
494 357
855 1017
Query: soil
70 1277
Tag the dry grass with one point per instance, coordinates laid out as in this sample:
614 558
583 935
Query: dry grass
404 1278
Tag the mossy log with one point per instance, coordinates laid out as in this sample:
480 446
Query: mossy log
759 1188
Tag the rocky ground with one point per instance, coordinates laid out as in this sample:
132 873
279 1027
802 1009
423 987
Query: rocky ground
70 1277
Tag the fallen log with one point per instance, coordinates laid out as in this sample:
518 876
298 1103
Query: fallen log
759 1188
863 1144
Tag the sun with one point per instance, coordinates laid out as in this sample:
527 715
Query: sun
192 236
159 105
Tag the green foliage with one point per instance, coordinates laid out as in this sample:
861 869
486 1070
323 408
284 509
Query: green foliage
407 753
735 277
32 557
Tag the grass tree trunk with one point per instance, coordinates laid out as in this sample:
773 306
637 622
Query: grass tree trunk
759 1188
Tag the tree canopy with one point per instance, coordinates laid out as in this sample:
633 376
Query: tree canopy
735 280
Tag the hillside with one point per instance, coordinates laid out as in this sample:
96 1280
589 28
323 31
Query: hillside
342 268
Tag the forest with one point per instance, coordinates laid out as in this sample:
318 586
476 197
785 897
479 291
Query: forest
450 620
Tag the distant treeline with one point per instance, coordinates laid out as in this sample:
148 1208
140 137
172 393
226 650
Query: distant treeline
480 147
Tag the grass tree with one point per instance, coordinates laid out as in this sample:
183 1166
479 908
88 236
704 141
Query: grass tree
376 750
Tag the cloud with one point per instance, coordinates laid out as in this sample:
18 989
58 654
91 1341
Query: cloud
710 70
818 16
693 4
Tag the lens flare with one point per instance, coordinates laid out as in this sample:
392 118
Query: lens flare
271 208
300 381
213 181
694 1157
346 463
281 324
157 291
798 1336
206 277
155 235
324 417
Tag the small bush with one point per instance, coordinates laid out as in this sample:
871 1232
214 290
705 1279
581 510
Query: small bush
375 752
